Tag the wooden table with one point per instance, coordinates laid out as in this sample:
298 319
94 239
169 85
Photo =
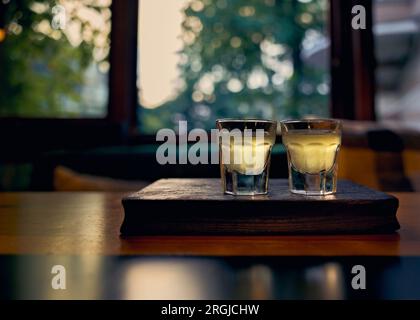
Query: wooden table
88 223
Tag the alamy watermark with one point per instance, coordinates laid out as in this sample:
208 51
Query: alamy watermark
238 146
358 282
58 281
359 17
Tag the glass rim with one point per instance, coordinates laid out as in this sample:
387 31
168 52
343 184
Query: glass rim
318 120
225 120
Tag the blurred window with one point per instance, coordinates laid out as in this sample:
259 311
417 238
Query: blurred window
397 40
201 60
54 58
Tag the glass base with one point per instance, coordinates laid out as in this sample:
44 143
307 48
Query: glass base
238 184
320 184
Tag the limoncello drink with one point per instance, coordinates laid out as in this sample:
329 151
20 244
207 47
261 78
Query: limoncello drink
244 151
312 151
248 156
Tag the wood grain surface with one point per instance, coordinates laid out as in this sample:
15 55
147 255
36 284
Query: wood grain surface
198 207
89 223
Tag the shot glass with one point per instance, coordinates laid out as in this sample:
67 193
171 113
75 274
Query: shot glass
244 155
312 151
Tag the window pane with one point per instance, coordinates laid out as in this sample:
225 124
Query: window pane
54 58
397 42
206 59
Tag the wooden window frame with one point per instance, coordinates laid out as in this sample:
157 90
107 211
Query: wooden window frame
352 63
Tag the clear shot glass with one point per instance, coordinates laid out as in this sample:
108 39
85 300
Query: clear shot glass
244 154
312 151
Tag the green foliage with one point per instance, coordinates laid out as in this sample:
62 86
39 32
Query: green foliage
249 55
40 72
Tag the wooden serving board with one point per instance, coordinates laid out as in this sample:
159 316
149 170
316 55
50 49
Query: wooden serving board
198 206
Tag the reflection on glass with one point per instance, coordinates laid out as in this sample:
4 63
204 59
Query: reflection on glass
112 277
261 278
217 59
84 277
325 282
173 279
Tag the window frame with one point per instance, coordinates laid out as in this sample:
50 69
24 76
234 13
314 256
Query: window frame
352 63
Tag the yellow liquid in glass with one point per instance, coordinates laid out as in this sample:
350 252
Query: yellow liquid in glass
312 151
248 157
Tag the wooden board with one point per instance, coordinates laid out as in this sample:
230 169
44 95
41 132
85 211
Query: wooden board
197 206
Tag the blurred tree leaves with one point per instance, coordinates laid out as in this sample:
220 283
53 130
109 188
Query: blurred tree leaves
42 73
244 59
240 59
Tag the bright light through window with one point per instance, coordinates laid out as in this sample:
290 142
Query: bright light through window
201 60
